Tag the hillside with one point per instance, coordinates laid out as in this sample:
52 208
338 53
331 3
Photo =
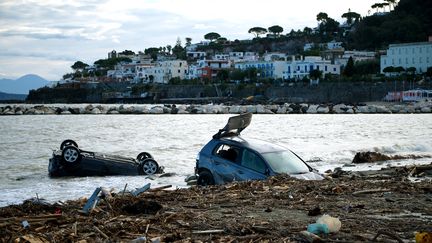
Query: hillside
411 21
23 84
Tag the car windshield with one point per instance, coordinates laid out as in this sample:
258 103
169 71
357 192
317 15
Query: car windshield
285 162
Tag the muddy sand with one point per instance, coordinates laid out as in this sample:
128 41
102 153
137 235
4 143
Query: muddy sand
390 205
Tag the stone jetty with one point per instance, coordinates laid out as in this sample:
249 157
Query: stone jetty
293 108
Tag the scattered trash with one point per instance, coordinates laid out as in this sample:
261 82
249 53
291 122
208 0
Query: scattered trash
423 237
141 190
318 229
315 211
92 202
25 224
310 237
333 224
141 239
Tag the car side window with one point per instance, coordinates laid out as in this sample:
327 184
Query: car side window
228 152
252 161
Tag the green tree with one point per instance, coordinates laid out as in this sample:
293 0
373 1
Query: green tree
351 16
127 53
275 29
169 48
322 17
389 69
349 68
257 31
223 75
188 41
211 36
79 66
315 74
307 31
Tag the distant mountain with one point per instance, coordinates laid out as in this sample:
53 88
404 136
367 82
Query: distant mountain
22 85
5 96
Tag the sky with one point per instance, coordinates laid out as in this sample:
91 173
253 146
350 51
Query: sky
45 37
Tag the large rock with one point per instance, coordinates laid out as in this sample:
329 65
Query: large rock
312 109
251 109
323 110
368 157
426 110
382 109
340 109
281 110
363 109
156 110
235 109
96 111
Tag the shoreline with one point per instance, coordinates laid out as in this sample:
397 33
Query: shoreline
287 108
269 210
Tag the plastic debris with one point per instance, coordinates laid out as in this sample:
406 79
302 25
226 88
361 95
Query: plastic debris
93 200
141 190
25 224
318 229
333 224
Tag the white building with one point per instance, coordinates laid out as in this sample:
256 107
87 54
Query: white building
275 56
418 55
166 70
298 69
271 69
196 54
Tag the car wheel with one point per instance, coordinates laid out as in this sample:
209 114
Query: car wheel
68 142
71 155
205 178
143 156
149 167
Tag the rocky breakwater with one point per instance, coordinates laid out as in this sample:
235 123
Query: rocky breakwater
293 108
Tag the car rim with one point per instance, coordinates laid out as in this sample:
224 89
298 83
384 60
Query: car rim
71 155
149 168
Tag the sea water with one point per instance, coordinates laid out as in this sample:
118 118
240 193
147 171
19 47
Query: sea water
327 141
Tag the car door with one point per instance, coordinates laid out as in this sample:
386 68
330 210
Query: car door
252 165
226 163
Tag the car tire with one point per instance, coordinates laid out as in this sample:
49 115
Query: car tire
143 156
68 142
205 178
148 167
71 155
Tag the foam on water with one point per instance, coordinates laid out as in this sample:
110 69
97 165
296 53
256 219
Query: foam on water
27 143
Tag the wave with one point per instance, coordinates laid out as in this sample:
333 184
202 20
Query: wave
403 148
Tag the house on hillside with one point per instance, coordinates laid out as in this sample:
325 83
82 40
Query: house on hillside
407 55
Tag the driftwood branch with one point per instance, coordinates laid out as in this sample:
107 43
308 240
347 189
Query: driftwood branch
370 191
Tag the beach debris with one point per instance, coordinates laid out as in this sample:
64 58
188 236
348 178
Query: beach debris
315 211
310 237
368 157
235 212
423 237
141 190
388 233
333 224
318 228
92 201
25 224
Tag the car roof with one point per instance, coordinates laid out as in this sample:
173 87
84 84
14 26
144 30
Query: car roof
255 144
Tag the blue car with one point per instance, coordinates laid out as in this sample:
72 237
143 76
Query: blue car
229 157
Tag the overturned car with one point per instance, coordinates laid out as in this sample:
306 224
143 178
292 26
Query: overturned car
229 157
73 161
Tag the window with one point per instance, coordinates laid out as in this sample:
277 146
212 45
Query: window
228 152
325 68
252 161
334 69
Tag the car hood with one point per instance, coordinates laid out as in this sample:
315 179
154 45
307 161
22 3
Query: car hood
310 176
